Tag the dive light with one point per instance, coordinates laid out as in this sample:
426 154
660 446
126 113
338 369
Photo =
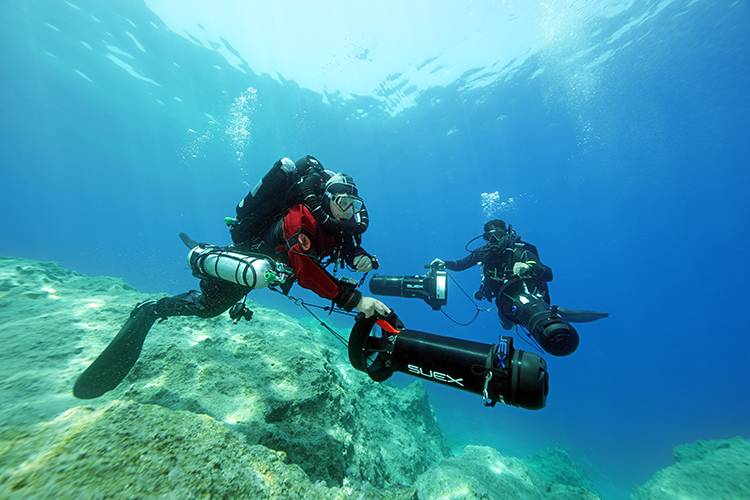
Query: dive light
431 287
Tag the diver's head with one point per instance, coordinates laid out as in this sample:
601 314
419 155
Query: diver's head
342 198
494 230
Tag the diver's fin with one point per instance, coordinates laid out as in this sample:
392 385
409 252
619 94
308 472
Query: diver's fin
580 316
114 363
188 241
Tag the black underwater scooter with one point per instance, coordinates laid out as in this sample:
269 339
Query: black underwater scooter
497 372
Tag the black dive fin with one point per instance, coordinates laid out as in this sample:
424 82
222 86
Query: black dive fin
574 316
114 363
188 241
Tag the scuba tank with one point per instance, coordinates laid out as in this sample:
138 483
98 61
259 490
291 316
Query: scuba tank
273 194
252 271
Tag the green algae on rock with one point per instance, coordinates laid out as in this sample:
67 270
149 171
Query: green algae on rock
127 449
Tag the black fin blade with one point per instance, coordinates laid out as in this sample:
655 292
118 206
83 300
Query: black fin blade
574 316
114 363
188 241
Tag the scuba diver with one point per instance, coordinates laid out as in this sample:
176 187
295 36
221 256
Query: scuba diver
515 278
297 220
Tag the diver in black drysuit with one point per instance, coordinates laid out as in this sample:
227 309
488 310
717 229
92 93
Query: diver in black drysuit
516 279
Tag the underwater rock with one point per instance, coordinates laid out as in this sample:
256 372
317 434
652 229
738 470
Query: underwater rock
283 384
481 472
557 476
47 315
703 470
126 449
274 381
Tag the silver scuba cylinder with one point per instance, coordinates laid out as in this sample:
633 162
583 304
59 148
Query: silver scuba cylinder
252 271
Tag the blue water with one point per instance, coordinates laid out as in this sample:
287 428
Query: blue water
631 178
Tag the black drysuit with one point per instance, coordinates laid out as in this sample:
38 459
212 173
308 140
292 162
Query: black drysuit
497 274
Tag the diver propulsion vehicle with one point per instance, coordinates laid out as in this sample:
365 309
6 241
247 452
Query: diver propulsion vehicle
497 372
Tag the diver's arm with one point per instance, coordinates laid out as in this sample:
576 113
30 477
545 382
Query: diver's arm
357 257
309 274
535 269
307 271
462 264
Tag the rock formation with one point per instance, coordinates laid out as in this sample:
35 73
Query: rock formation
717 469
267 409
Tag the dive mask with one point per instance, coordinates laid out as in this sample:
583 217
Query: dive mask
348 203
494 235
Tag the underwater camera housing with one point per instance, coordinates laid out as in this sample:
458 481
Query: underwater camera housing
431 287
498 372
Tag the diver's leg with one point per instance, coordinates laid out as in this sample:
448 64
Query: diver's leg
504 313
215 297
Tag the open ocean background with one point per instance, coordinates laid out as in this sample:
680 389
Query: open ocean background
615 138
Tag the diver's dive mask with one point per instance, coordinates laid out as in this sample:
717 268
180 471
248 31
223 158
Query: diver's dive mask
349 204
497 237
501 238
342 191
494 235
